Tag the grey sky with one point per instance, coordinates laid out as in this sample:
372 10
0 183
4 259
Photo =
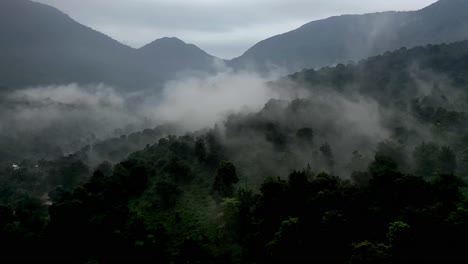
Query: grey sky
225 28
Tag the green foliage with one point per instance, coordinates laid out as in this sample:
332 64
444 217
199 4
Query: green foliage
463 163
178 170
176 201
426 159
382 165
225 178
358 162
273 188
368 252
327 153
168 193
446 161
305 135
395 152
285 241
144 209
200 149
398 232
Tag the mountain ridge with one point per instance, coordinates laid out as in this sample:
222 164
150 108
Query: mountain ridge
343 38
50 48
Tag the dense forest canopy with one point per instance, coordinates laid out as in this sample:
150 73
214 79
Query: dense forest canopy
166 154
370 166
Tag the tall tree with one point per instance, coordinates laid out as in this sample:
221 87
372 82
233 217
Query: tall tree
225 178
327 154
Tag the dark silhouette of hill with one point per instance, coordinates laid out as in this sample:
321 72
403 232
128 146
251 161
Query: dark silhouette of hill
353 37
41 45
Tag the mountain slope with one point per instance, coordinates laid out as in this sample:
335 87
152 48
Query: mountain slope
353 37
210 196
172 55
50 48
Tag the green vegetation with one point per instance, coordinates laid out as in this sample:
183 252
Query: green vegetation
158 207
315 179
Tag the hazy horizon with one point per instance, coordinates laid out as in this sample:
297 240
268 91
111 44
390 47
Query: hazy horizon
344 141
239 24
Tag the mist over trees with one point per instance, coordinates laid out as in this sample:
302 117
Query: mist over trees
363 162
370 166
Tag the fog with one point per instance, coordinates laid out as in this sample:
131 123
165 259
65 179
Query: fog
198 103
71 116
257 118
66 118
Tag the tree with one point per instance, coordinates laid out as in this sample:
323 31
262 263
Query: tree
305 135
447 161
298 182
6 217
215 148
395 151
463 163
382 165
358 163
327 154
426 159
360 178
273 189
287 243
398 232
131 176
368 252
225 178
200 149
105 168
69 173
399 236
178 169
168 193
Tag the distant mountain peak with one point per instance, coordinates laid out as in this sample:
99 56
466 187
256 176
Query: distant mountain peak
444 4
167 41
170 39
27 7
76 53
172 44
345 38
450 2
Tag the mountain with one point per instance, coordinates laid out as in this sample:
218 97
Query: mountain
353 37
172 55
41 45
51 48
318 179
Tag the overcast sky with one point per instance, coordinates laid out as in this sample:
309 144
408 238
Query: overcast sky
225 28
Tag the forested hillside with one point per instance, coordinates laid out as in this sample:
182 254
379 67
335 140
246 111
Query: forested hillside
368 166
343 38
50 48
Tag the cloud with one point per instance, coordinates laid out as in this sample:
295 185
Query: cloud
68 116
213 25
70 95
71 116
199 102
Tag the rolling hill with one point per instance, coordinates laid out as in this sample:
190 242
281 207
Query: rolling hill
41 45
353 37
